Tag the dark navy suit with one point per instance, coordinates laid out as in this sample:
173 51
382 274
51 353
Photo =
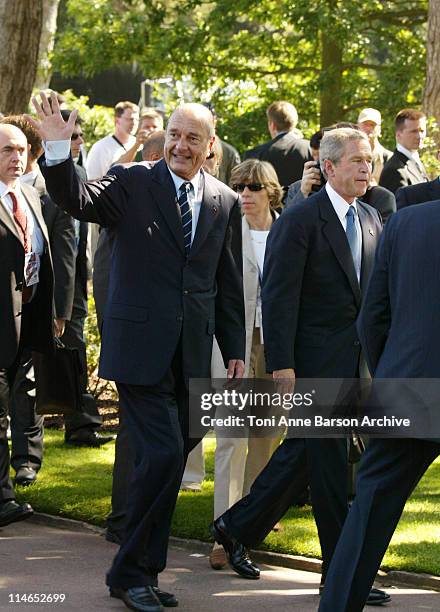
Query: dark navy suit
311 300
162 311
399 328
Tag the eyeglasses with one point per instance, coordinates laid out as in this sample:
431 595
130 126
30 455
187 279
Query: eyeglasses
240 187
76 136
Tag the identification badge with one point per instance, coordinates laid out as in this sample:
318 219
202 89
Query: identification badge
31 269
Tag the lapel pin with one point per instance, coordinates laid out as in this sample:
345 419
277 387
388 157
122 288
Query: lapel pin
371 231
214 210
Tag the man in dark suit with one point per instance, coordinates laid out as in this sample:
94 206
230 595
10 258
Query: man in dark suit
319 258
287 152
399 345
405 166
26 286
175 280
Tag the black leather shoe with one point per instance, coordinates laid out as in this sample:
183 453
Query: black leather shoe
11 512
236 552
113 536
87 438
168 600
375 598
138 598
25 476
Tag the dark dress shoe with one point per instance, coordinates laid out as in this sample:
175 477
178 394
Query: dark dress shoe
25 476
138 598
236 552
168 600
11 512
113 536
376 597
88 438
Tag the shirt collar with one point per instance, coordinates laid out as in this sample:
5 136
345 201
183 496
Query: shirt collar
178 181
410 154
4 189
339 204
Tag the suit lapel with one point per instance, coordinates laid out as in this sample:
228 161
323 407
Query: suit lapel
209 210
369 241
334 232
34 204
248 251
164 194
414 170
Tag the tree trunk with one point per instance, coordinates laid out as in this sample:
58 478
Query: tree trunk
431 98
330 80
20 31
49 28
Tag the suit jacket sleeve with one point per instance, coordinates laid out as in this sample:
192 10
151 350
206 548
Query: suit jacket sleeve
294 194
284 264
229 305
375 316
101 201
62 242
401 199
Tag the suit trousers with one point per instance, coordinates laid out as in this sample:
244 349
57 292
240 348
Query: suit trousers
389 471
157 422
7 377
284 479
27 427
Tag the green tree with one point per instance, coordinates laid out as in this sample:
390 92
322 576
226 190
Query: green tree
329 57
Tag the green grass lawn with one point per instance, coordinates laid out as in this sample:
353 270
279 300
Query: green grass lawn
76 483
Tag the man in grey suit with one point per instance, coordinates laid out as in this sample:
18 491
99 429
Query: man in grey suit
405 167
416 194
26 290
397 345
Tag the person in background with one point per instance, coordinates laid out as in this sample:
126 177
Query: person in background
405 166
286 151
107 150
238 461
151 121
369 122
416 194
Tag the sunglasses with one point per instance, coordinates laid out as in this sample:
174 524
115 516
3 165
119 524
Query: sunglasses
75 136
240 187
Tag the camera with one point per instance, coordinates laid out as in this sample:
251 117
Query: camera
321 176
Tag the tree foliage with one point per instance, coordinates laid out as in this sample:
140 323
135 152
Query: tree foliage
329 57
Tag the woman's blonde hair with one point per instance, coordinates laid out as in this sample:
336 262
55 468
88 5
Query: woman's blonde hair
256 171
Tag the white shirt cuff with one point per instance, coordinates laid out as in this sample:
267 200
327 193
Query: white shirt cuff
56 151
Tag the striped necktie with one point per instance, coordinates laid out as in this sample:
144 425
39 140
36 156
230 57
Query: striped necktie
186 214
21 222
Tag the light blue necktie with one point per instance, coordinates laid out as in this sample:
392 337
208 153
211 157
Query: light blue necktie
186 214
353 238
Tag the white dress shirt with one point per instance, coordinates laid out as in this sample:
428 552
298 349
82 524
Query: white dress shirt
341 208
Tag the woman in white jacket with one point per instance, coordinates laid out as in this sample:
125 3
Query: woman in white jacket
238 461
